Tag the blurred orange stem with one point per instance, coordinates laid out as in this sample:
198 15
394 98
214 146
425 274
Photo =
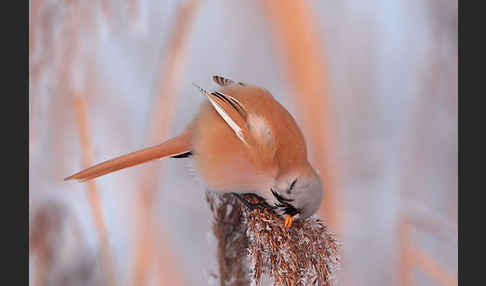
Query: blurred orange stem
35 7
411 256
134 10
163 114
107 10
405 259
68 54
432 268
79 105
299 44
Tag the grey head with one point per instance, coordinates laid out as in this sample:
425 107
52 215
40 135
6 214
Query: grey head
298 194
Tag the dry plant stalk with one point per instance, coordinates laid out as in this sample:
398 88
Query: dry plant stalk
432 268
36 67
428 221
163 113
50 224
405 259
79 104
411 256
45 226
107 11
68 53
300 46
232 244
134 10
254 243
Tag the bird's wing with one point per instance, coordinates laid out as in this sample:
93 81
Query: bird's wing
232 112
222 81
172 147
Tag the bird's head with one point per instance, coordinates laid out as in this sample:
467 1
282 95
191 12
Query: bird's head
297 195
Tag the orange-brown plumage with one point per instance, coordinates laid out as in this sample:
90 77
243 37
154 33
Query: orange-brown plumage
175 146
242 140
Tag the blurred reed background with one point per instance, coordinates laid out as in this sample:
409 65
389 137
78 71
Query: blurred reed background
373 84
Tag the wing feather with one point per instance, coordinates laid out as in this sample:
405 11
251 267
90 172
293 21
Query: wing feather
231 111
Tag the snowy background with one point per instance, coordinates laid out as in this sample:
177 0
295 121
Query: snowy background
393 93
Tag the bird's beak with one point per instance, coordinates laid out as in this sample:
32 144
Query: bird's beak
288 221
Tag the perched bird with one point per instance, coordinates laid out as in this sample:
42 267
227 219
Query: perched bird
242 141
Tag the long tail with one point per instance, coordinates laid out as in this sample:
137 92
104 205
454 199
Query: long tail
172 147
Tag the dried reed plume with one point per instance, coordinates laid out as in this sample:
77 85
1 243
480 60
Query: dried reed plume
254 243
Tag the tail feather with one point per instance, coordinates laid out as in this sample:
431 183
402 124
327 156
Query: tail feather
172 147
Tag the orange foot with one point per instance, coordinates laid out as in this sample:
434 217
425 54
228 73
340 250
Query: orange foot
288 221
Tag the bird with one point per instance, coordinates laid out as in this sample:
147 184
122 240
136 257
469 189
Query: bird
242 141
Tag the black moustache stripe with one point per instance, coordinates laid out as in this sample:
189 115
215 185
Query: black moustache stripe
285 204
281 198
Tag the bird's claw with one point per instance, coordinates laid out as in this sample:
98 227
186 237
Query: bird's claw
289 220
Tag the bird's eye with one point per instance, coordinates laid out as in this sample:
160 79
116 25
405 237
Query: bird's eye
293 184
